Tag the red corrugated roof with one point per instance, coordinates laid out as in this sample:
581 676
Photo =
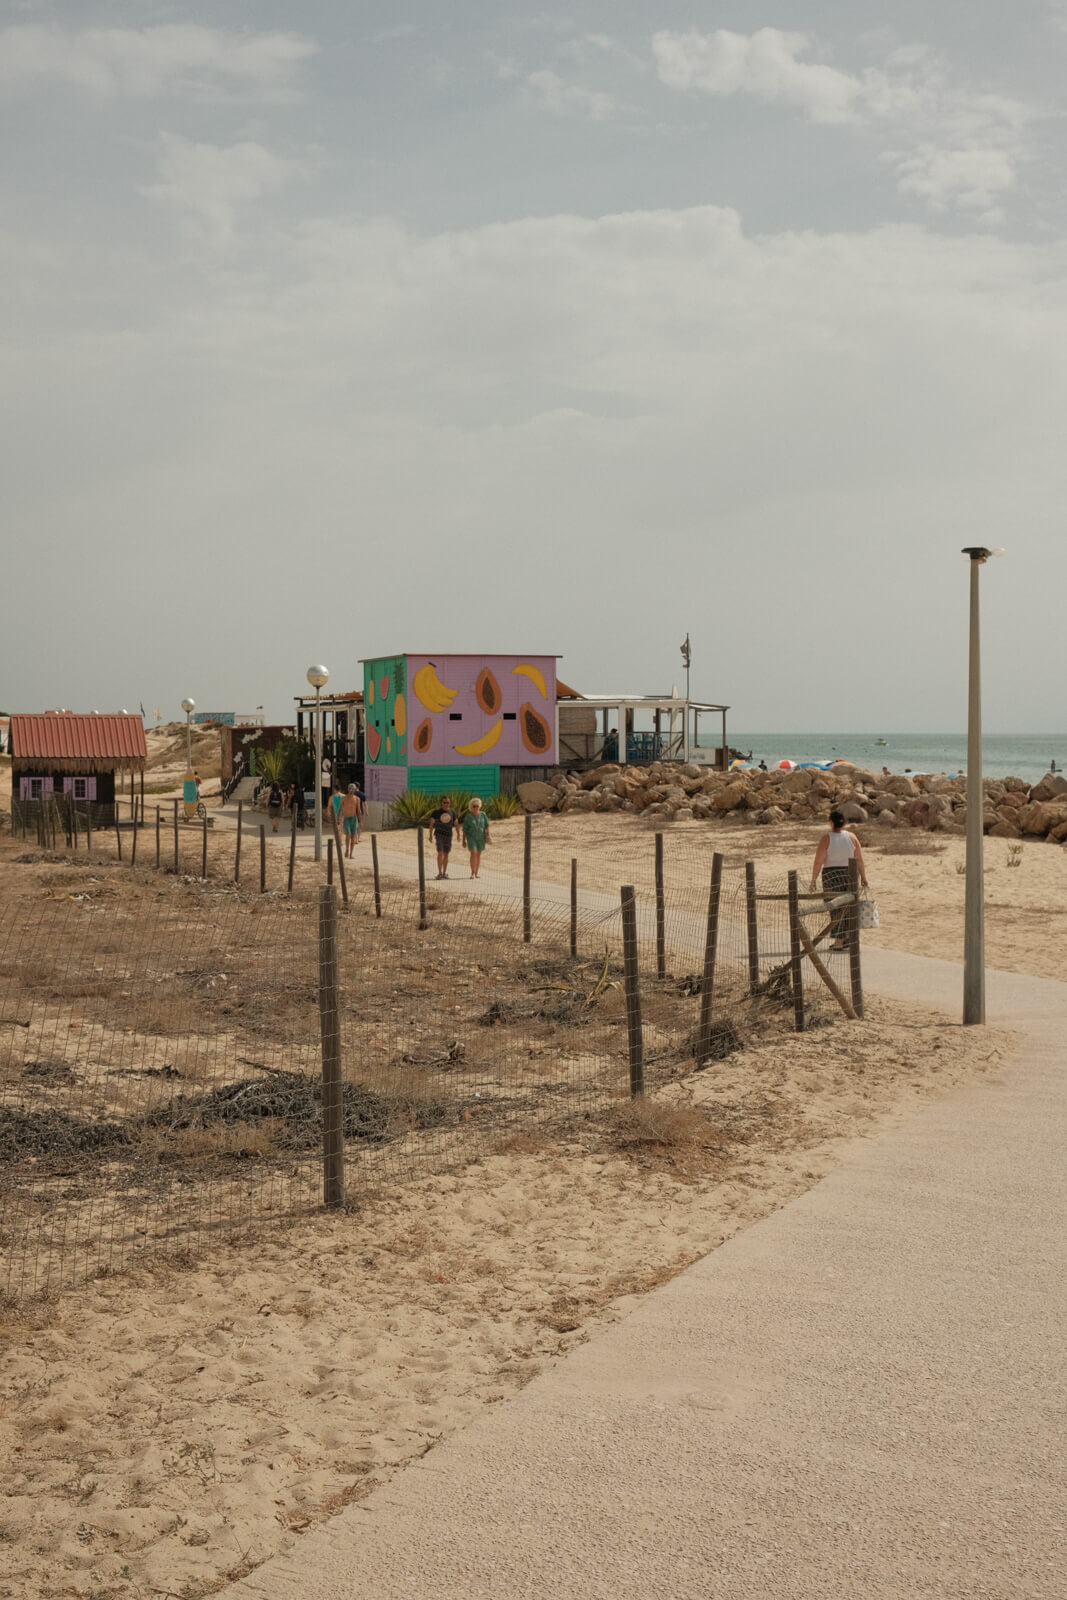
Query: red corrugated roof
66 734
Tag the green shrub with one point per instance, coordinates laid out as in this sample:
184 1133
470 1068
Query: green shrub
411 808
501 806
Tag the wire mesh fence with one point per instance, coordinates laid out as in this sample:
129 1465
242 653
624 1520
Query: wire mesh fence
181 1057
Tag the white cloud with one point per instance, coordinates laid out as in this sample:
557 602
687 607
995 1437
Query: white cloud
973 180
764 64
550 91
206 183
174 58
957 149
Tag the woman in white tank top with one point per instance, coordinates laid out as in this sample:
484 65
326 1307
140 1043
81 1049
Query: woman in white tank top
836 849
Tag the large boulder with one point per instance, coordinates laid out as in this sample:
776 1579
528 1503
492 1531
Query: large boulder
900 786
537 796
1040 818
1004 830
1058 834
852 811
1052 785
597 775
731 797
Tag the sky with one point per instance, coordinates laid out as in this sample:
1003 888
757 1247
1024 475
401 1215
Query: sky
350 328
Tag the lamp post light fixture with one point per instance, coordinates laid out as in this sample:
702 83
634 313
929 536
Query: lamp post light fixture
188 706
974 910
318 677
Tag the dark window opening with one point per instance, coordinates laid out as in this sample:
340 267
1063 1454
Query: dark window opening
509 716
455 716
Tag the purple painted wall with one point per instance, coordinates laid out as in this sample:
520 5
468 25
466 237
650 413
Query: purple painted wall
518 729
384 783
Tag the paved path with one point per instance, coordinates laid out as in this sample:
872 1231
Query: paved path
861 1396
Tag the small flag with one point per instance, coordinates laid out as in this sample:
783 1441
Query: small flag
142 711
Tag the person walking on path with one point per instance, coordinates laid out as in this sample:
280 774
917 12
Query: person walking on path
475 827
444 821
351 810
296 803
836 849
274 805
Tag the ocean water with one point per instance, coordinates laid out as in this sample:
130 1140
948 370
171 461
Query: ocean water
1028 756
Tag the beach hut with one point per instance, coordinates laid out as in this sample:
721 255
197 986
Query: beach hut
94 760
476 722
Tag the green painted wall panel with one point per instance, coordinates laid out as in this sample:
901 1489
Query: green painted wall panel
484 781
386 713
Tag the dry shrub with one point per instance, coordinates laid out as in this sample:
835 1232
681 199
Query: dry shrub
235 1139
681 1136
908 842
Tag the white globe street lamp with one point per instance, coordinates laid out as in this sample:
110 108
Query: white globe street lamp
318 677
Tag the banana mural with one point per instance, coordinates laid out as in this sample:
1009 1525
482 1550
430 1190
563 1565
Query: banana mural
486 742
435 695
535 675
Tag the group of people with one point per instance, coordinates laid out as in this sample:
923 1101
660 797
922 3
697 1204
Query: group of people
474 829
347 807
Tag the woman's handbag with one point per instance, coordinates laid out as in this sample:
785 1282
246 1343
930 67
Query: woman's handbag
867 913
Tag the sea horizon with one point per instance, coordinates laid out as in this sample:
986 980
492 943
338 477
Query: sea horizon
1027 756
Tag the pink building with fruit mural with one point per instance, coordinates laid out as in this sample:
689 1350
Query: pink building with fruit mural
432 721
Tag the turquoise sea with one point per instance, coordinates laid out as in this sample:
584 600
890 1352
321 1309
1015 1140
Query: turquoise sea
1028 756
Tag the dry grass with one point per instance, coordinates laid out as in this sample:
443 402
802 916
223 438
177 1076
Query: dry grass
659 1130
905 842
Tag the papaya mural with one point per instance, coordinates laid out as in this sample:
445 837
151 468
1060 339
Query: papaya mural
451 710
385 705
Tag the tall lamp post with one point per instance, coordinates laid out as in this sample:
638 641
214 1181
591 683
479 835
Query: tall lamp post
974 912
188 706
317 677
687 656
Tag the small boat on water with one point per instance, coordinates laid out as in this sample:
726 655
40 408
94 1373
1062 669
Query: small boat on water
881 741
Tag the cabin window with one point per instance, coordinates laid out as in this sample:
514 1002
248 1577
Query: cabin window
36 788
80 788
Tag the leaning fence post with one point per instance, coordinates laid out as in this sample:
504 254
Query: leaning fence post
661 932
377 877
852 923
333 1133
631 980
292 849
133 843
795 953
711 948
175 835
574 908
118 834
340 858
237 851
527 850
753 926
422 878
262 858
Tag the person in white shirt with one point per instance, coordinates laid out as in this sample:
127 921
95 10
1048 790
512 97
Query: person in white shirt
836 849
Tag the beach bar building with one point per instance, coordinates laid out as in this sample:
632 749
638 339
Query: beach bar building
94 760
482 723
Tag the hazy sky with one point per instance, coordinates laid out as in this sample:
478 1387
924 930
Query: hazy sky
352 327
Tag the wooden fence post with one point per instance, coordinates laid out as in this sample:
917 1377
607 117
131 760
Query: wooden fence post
795 953
292 849
329 861
263 858
574 908
753 926
237 851
711 947
340 857
631 979
203 859
159 829
377 876
852 923
88 827
422 877
133 842
333 1132
175 835
527 851
661 930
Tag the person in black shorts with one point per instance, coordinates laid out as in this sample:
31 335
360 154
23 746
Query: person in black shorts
444 820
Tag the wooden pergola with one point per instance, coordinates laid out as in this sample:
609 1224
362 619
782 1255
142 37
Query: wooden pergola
683 724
